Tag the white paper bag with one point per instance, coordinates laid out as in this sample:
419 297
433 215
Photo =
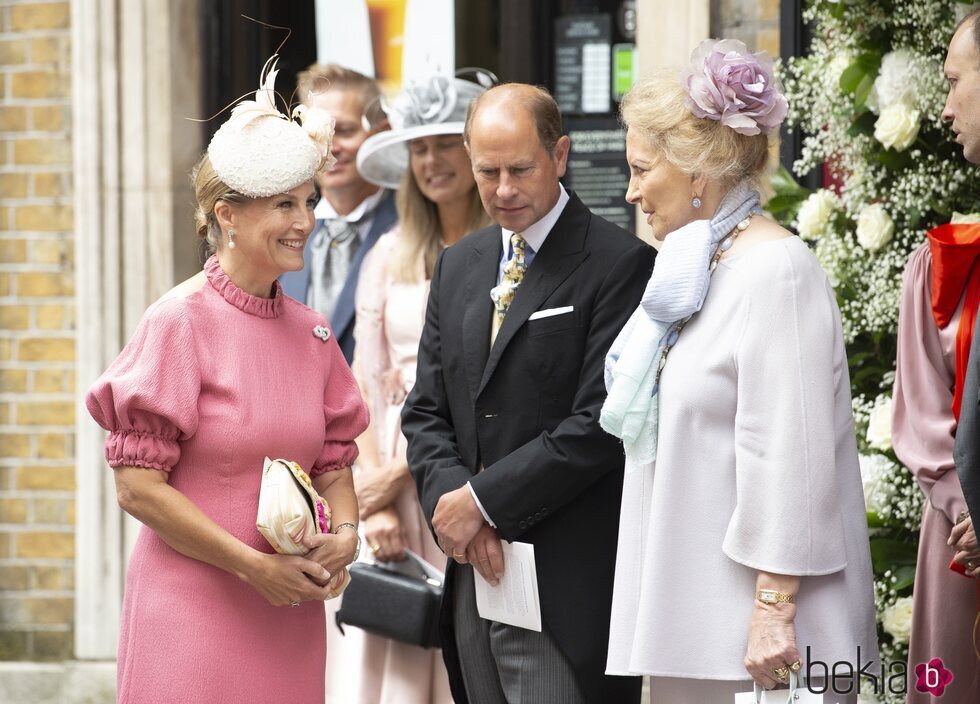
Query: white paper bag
796 694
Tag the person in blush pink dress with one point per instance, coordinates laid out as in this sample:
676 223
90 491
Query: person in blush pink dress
923 434
936 324
438 204
221 372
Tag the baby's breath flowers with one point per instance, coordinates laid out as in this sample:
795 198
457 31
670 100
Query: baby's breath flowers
867 97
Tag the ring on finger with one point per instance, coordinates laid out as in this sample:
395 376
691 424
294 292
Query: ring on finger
294 603
782 673
796 666
375 547
458 555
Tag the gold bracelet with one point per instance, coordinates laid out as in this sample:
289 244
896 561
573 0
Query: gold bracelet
771 596
357 548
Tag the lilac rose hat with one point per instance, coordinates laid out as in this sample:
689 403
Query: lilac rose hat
727 82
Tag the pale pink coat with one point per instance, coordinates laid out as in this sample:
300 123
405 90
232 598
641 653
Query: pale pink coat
390 318
214 380
923 432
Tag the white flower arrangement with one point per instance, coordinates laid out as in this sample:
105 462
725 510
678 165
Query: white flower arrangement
867 97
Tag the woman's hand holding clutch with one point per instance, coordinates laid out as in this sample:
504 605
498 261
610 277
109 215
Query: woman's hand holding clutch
332 551
285 579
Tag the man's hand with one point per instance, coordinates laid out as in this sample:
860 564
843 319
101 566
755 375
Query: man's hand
485 555
963 539
456 521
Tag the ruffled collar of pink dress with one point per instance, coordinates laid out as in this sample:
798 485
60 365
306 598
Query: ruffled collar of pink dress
253 305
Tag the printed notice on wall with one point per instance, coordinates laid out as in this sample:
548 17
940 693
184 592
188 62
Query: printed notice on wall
583 63
597 168
514 600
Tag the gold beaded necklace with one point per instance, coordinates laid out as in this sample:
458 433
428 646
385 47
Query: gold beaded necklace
723 246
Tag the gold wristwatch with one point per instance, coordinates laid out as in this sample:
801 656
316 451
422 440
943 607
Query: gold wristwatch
771 596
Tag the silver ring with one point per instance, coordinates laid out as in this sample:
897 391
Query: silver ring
294 603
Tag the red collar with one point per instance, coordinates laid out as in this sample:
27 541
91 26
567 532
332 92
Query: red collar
954 249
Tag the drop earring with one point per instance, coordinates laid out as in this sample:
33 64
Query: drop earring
696 202
231 239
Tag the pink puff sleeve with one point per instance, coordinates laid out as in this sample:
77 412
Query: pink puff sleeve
345 414
147 398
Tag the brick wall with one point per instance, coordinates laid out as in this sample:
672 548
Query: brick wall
755 22
37 343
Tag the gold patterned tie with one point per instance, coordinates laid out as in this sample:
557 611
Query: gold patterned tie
503 293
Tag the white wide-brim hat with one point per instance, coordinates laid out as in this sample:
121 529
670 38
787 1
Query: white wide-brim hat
433 107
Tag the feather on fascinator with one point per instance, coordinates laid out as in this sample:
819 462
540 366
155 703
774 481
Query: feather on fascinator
261 152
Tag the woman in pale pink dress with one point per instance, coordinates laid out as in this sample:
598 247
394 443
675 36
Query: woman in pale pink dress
931 351
438 204
223 371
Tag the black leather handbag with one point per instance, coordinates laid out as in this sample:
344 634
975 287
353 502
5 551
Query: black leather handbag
395 600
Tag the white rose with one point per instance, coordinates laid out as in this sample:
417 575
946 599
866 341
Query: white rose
897 127
897 619
877 489
874 228
815 213
880 424
894 84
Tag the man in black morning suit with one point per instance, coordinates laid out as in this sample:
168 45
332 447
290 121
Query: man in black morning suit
504 443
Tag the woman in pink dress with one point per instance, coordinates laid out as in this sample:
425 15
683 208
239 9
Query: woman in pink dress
933 348
223 371
438 204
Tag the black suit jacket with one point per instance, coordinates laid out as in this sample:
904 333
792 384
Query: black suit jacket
528 411
966 453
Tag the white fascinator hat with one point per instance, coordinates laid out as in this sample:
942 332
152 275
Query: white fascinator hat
261 152
423 109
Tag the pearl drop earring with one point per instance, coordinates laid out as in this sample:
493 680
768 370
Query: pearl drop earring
231 239
696 202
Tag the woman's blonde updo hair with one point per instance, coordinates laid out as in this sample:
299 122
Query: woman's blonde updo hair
208 190
656 109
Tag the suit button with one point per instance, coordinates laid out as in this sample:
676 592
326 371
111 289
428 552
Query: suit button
544 512
537 516
522 525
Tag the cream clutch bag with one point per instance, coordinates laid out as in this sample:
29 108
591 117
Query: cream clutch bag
289 507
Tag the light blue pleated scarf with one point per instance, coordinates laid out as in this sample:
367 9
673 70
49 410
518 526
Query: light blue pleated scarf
675 292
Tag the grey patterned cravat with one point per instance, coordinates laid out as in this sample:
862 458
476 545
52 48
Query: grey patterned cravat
334 247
